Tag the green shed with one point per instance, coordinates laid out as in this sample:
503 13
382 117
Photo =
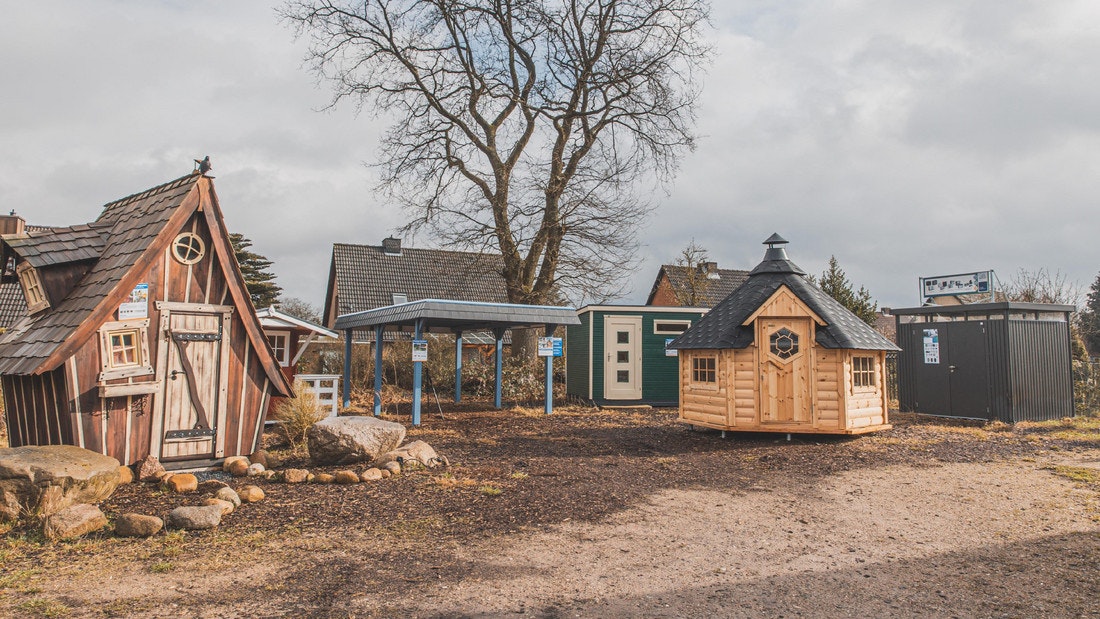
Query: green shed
617 354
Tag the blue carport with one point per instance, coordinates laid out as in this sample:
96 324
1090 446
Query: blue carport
441 315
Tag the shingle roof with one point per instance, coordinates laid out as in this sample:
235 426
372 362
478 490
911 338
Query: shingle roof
133 223
720 283
13 305
60 245
367 278
722 326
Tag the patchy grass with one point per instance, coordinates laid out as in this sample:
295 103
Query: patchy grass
411 528
1071 429
519 475
162 567
448 481
44 607
1079 474
491 490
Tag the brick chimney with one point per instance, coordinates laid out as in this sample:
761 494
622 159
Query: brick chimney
12 224
391 246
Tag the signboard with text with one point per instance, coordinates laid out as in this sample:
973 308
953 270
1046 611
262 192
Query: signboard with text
979 282
136 305
419 350
550 347
931 346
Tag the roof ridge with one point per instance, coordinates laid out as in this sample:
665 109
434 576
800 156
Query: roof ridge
172 184
422 249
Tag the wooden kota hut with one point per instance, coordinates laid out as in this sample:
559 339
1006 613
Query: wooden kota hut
780 355
140 337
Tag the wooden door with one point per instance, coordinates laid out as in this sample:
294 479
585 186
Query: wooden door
785 354
194 364
622 377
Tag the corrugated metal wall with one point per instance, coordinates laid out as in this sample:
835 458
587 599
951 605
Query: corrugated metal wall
1040 370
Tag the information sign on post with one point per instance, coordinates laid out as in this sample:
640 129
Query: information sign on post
549 347
419 350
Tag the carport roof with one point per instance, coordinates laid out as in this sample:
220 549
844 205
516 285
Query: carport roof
459 315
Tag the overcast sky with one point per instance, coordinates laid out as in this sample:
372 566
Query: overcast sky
907 138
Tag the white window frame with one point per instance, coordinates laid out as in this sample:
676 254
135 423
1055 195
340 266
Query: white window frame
657 321
143 365
284 359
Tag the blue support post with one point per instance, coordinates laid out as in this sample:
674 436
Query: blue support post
499 334
458 367
347 368
550 375
378 332
417 366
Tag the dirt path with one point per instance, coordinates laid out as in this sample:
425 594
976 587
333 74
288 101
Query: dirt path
892 542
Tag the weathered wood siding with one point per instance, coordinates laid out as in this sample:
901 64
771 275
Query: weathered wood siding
34 409
122 426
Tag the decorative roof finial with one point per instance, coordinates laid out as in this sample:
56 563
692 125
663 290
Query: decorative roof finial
774 240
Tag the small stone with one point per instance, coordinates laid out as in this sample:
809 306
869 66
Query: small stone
256 469
228 462
324 478
269 474
212 485
239 467
393 466
228 494
251 494
227 507
74 521
137 525
371 474
346 477
150 470
310 477
295 476
259 457
182 482
125 475
195 517
386 474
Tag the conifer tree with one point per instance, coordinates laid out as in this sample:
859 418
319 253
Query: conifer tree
834 282
1088 319
259 281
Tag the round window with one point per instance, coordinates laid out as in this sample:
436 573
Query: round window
188 248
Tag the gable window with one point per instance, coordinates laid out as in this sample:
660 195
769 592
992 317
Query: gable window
704 370
124 349
188 248
670 327
280 345
32 288
400 298
863 372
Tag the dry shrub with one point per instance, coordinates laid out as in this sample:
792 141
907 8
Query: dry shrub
298 414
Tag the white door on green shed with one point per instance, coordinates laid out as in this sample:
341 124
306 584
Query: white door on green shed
622 343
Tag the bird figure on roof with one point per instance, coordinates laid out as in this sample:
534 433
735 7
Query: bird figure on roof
203 166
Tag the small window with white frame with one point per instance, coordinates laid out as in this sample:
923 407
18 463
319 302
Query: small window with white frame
124 349
399 298
670 327
32 288
863 372
280 345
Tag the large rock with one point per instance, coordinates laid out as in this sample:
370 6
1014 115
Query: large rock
345 440
137 525
251 494
182 482
195 517
150 469
228 494
415 452
74 521
295 476
40 481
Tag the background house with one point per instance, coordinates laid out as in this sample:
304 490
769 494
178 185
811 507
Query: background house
701 286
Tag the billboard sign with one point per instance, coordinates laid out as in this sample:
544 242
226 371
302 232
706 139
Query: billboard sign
979 282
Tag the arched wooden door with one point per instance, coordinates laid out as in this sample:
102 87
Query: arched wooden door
785 346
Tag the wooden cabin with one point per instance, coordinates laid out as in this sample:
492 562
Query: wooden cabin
140 337
780 355
289 338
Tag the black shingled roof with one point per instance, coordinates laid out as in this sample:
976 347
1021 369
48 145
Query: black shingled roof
722 326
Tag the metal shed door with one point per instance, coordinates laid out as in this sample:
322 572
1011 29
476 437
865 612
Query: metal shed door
622 377
194 383
968 370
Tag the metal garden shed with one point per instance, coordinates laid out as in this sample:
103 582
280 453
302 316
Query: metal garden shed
998 361
618 355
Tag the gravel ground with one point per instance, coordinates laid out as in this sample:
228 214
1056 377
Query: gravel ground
623 514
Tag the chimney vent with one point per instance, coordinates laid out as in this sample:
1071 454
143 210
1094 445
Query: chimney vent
12 224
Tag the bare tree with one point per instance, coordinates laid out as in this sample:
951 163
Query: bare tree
693 260
521 126
1042 286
